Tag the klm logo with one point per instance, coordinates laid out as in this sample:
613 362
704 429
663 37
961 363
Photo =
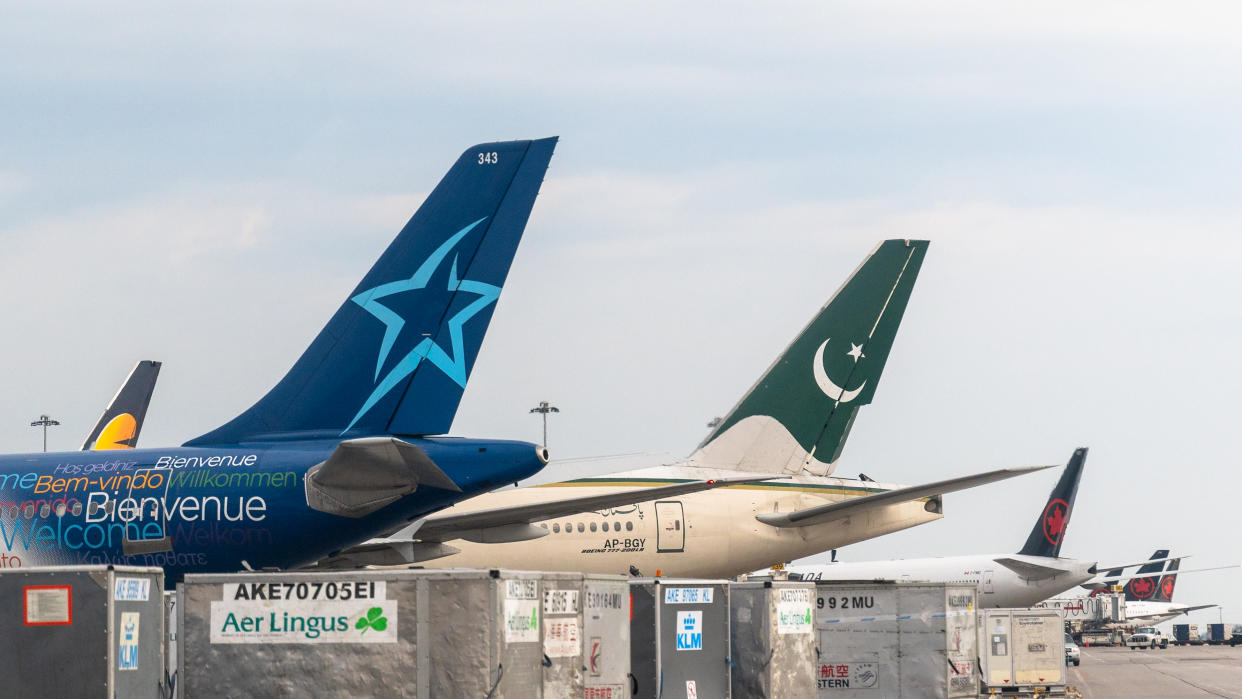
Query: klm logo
689 630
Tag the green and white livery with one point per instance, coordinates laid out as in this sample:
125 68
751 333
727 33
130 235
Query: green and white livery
796 417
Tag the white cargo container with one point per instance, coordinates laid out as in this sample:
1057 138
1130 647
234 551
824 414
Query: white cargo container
882 641
1022 648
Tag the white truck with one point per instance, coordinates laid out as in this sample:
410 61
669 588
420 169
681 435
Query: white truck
1147 637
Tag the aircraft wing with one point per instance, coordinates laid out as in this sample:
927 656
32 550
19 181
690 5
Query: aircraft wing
460 526
1158 615
424 541
1030 571
847 508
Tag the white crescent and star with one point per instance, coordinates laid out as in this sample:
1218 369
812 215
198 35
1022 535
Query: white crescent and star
827 385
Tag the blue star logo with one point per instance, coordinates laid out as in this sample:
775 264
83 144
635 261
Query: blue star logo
452 364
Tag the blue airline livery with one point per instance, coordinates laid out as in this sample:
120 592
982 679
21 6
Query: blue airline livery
344 446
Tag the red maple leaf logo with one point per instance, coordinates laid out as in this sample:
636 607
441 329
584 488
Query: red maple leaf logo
1142 587
1166 588
1055 521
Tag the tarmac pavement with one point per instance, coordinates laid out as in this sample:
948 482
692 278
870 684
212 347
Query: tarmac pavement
1172 673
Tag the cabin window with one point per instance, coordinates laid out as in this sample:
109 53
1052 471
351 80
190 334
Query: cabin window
556 529
60 509
581 527
592 526
13 512
29 510
45 510
77 509
629 526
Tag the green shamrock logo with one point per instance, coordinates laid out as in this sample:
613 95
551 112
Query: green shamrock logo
374 619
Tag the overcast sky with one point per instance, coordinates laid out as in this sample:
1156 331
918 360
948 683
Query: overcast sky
204 183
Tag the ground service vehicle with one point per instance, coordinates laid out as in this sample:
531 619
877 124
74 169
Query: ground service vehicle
1147 637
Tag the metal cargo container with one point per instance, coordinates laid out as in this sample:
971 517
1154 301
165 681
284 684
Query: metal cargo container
1185 634
108 620
679 639
896 640
1218 634
772 630
586 636
606 637
483 631
1021 648
410 633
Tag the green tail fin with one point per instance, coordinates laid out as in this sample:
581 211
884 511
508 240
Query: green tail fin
796 417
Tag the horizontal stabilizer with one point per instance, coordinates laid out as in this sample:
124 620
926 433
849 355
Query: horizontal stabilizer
1164 613
854 506
1160 573
1123 566
363 475
454 526
1030 571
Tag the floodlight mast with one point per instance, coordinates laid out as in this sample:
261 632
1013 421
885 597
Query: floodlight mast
45 422
543 409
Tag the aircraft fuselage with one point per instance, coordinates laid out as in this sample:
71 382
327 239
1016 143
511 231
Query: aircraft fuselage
709 534
203 510
998 585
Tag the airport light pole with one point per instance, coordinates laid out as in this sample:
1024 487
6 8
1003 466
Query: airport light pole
45 422
543 409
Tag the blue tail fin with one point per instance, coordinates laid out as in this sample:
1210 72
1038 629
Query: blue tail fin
1141 589
395 357
1045 539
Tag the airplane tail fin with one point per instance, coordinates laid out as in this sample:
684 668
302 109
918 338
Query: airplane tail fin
797 416
1144 589
1049 531
395 358
1164 590
122 420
